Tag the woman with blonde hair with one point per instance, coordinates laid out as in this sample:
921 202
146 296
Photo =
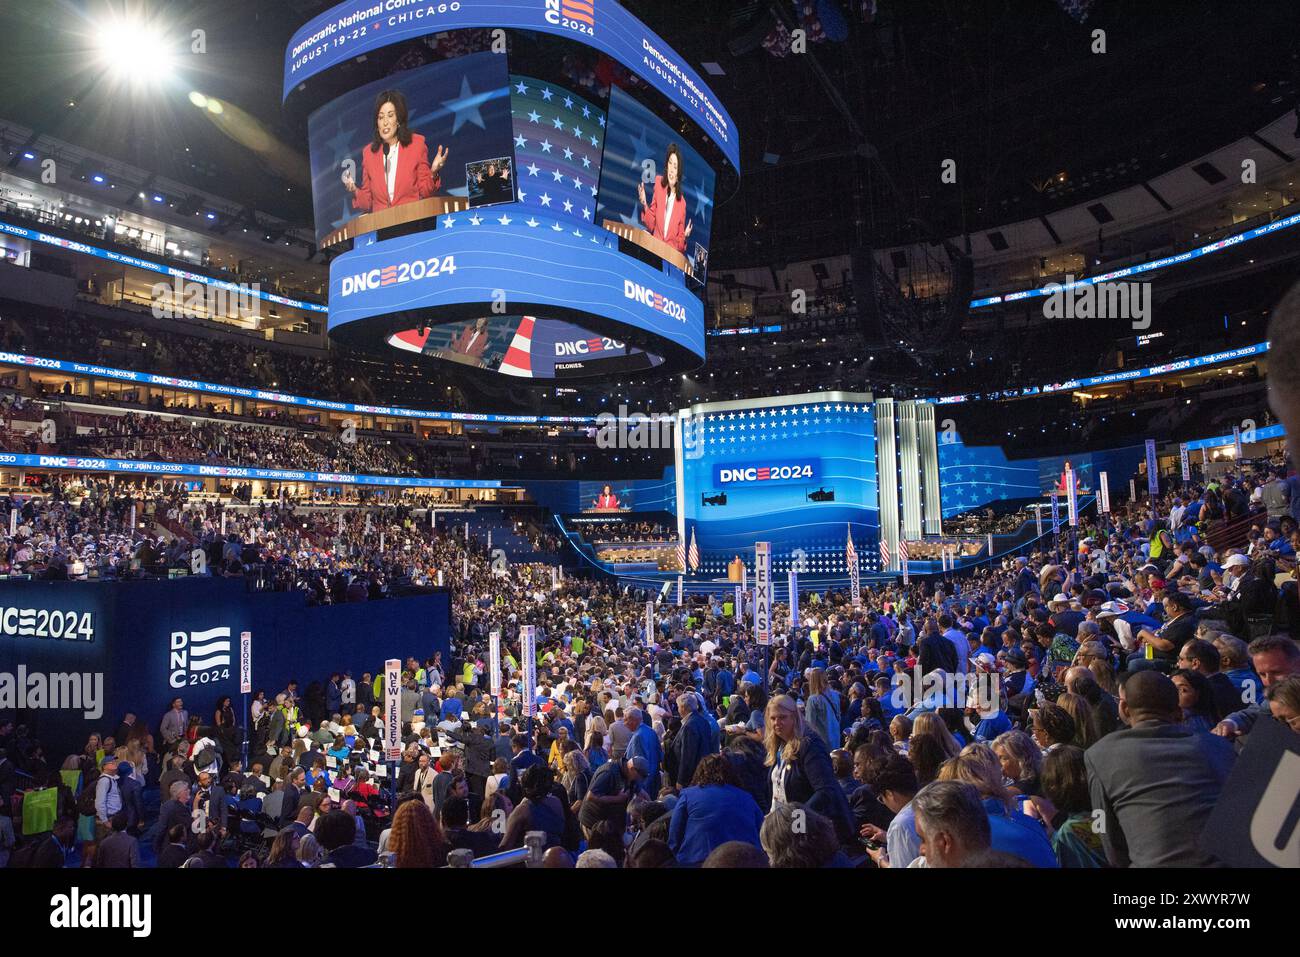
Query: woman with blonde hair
416 840
802 772
310 852
1010 831
1078 708
819 711
929 723
1021 762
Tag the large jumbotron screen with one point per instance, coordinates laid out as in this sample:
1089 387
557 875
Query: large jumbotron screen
796 472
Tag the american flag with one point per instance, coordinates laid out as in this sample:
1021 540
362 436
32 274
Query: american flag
681 555
694 555
884 553
558 142
902 559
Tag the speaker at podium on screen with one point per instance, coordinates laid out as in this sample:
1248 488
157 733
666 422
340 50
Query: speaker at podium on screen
822 495
719 499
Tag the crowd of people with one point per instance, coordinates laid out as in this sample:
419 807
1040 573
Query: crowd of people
1081 706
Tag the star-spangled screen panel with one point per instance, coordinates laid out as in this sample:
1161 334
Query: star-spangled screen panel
795 475
558 140
636 149
462 105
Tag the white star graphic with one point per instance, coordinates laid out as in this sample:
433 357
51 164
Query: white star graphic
594 141
586 213
577 183
557 227
568 102
558 123
577 131
546 199
534 116
531 222
504 220
449 222
475 221
532 169
568 206
520 141
547 94
586 162
602 122
557 176
568 153
519 87
546 146
586 111
522 195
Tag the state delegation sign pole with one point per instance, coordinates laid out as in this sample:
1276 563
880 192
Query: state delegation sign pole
246 683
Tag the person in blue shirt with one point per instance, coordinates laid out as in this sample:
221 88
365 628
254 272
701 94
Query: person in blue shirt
1010 831
452 707
751 676
1277 543
726 682
711 812
644 743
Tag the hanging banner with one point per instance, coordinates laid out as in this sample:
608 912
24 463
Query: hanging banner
494 663
1153 469
763 592
466 531
794 598
740 604
555 578
464 568
990 544
679 591
1205 455
1105 493
393 709
245 662
1038 519
1236 446
439 577
1056 513
528 656
1132 490
1071 498
1186 462
649 623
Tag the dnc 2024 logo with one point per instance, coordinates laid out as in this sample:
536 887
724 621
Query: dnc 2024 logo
199 657
576 15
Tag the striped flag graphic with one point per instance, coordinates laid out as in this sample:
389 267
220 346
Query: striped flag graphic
694 556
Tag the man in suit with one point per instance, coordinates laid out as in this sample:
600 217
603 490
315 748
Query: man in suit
422 780
293 789
1155 781
644 743
119 849
692 742
175 812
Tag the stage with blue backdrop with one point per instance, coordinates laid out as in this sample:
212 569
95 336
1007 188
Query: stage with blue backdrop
148 642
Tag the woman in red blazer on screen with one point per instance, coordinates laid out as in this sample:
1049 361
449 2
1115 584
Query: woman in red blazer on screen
395 168
666 216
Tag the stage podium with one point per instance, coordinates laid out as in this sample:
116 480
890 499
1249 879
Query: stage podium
650 243
395 216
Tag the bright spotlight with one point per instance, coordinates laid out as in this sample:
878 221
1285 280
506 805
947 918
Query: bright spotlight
198 99
136 52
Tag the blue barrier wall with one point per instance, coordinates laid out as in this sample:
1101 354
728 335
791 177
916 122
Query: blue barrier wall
154 640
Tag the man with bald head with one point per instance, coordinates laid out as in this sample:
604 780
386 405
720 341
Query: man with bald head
1153 783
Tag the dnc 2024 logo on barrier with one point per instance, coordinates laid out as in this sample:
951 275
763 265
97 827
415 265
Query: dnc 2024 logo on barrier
199 657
